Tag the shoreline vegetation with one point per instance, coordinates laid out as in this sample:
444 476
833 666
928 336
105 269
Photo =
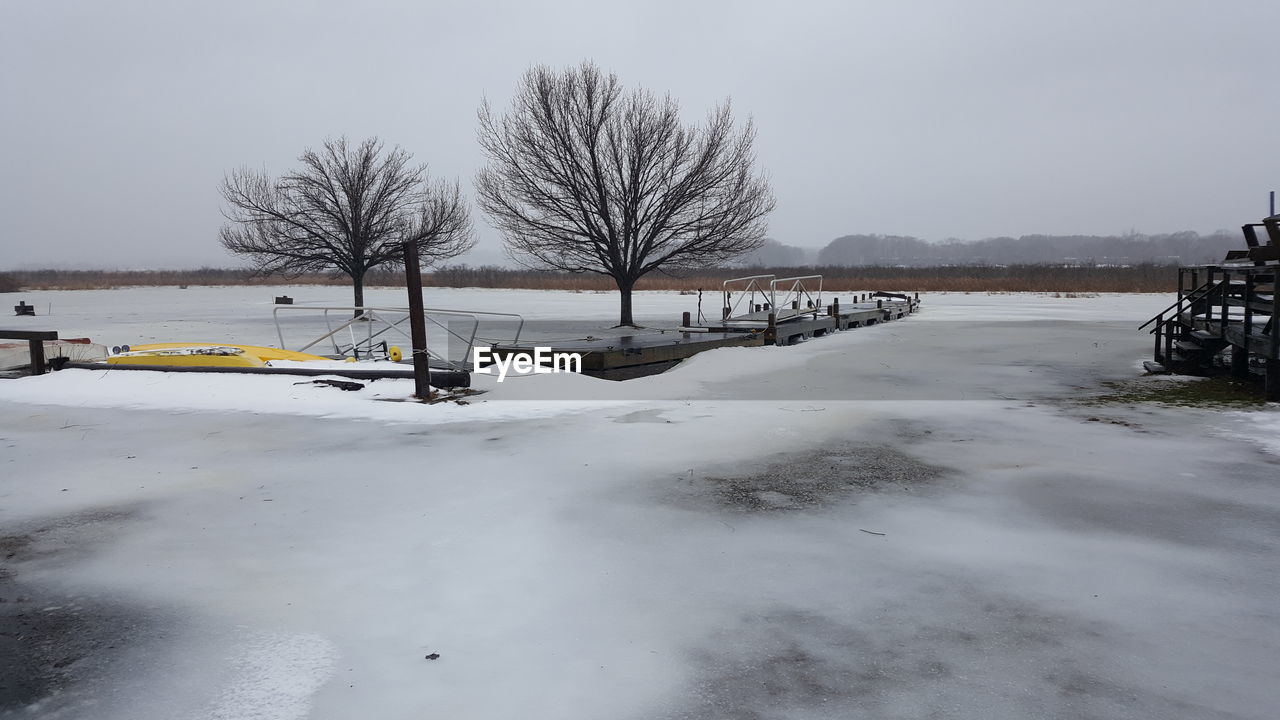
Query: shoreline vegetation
1142 278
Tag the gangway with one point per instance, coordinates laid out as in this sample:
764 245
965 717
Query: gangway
764 295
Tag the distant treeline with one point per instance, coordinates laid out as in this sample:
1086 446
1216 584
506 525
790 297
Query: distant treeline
1180 248
1146 277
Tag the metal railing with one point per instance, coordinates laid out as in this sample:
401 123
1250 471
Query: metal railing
365 332
752 287
799 294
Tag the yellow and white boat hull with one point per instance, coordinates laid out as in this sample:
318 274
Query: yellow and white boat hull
206 355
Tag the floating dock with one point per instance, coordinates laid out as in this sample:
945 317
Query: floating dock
644 353
797 326
752 316
759 310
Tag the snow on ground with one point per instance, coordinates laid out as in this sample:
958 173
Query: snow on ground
914 519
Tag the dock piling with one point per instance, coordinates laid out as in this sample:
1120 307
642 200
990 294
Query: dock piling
1239 362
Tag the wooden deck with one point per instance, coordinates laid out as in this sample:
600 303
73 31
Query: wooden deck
648 353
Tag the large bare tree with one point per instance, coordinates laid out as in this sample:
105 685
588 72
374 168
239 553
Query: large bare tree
586 178
348 209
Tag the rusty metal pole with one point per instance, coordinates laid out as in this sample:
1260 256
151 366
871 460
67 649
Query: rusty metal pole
417 323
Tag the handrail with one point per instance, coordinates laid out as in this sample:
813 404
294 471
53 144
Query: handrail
371 315
753 286
1205 287
799 291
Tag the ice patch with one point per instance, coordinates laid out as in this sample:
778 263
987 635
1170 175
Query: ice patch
276 677
1261 427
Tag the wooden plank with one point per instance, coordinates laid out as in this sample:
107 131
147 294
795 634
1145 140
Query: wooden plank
1258 343
1250 236
28 334
1264 253
1272 224
1262 306
35 340
439 378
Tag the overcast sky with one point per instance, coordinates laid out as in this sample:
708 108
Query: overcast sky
933 119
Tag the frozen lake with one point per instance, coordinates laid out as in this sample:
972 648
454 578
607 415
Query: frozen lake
916 519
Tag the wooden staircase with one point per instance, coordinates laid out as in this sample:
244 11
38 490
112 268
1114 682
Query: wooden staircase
1226 316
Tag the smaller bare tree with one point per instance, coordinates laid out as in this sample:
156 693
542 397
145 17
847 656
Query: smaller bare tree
586 178
348 209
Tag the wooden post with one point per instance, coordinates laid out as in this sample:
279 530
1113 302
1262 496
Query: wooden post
1207 301
771 332
684 320
1248 314
1273 362
1239 362
1273 380
417 323
38 366
1275 315
1157 355
35 345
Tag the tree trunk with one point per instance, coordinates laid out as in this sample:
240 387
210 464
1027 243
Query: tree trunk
357 282
624 288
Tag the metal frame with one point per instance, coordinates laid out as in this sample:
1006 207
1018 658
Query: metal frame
798 295
753 285
377 316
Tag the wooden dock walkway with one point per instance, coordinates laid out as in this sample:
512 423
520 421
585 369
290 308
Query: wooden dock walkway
648 353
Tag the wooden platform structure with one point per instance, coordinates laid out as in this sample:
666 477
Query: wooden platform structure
800 324
1231 310
648 353
35 341
643 353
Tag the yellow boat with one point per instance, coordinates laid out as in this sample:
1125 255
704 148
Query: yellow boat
206 355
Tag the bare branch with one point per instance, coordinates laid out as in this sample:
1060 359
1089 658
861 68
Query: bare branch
349 209
583 178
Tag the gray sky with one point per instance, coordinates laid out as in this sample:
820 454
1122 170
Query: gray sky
934 119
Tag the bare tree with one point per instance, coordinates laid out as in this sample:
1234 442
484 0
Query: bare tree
584 178
349 209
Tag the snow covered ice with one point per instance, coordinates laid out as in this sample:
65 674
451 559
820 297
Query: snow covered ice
917 519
